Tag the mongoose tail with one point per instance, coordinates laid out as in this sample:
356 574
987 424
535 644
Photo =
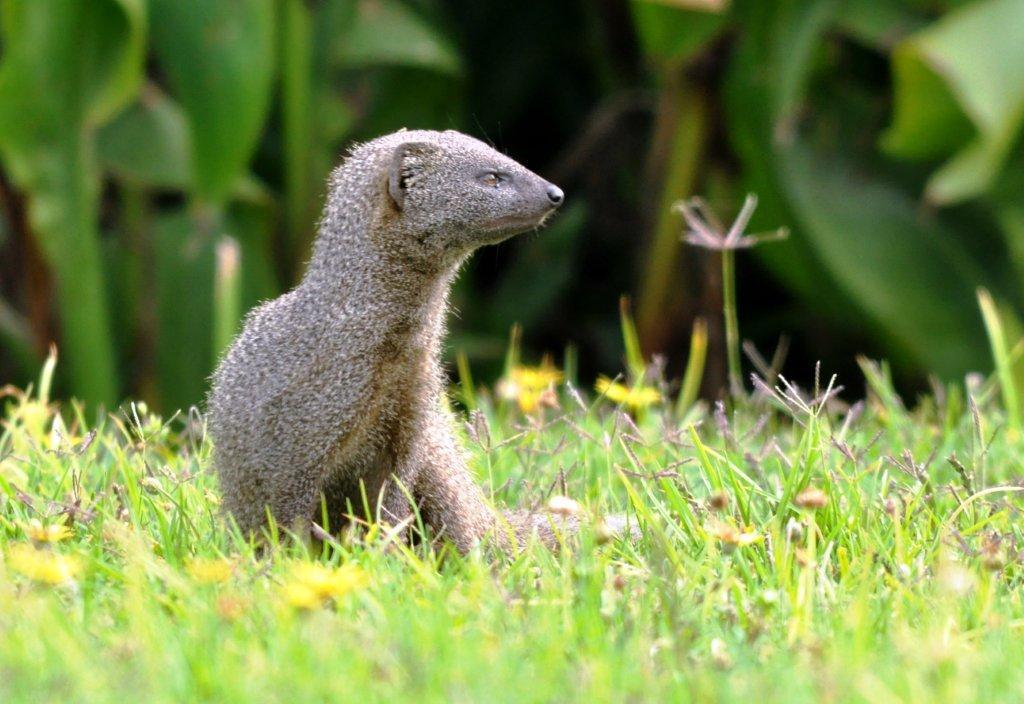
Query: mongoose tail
336 388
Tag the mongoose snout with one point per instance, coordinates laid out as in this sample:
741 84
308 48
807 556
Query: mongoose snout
334 394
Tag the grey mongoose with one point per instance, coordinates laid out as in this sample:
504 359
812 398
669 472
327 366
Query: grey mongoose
335 391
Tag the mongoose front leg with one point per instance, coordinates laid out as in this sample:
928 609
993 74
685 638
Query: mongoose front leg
294 497
453 505
449 500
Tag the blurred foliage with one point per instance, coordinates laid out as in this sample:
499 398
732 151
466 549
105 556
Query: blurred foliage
161 170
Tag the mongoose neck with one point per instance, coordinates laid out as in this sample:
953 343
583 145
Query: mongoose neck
361 278
352 270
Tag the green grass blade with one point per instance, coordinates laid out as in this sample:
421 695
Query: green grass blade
1001 356
631 341
694 368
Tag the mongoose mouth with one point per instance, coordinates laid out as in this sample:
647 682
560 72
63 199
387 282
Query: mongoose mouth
512 225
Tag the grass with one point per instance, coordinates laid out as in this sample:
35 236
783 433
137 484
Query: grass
790 551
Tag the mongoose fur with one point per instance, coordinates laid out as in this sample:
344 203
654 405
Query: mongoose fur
334 391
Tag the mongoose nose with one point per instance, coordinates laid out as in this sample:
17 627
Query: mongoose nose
555 194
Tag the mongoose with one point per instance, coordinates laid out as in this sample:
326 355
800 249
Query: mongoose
334 391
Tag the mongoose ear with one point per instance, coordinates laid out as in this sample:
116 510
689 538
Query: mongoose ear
409 160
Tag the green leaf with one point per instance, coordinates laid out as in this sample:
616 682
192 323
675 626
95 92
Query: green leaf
149 143
332 20
252 225
684 138
927 121
149 146
878 23
115 71
860 249
403 96
387 32
66 68
799 36
960 86
969 173
907 273
210 268
672 35
219 57
297 123
183 282
755 126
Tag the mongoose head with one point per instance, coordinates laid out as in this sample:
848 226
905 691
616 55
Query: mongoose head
449 193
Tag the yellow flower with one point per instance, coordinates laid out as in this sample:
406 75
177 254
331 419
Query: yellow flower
311 585
636 397
734 536
531 387
53 533
537 377
43 565
209 571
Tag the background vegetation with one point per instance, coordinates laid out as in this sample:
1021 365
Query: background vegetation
162 166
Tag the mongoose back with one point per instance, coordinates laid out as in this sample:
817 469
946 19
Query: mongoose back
334 391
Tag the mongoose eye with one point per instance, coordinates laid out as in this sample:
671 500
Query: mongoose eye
492 179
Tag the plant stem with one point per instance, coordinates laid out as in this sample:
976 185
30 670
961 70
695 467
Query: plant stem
227 294
680 135
732 327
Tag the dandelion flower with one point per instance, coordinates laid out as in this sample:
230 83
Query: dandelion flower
52 533
311 585
209 570
537 377
635 397
531 387
43 565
